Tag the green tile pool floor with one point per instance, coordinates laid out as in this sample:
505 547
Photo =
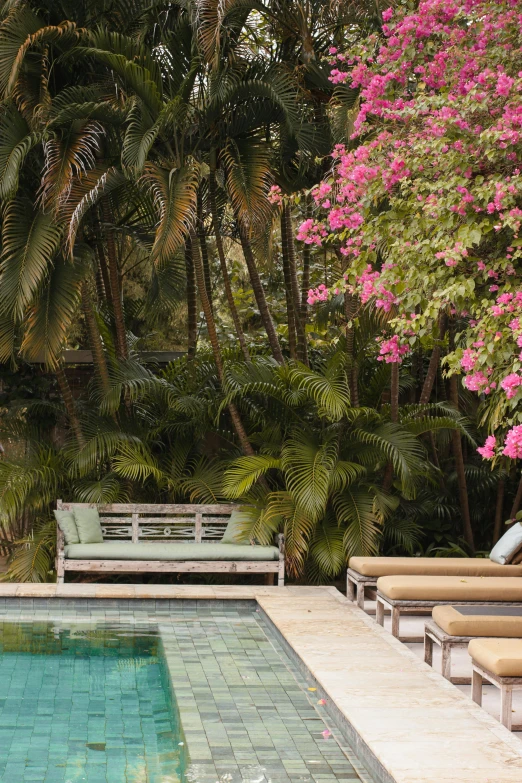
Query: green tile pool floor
86 696
88 706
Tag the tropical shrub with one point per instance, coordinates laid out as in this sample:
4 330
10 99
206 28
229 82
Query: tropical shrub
427 207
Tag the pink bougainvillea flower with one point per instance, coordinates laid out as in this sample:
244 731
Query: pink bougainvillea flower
513 443
487 451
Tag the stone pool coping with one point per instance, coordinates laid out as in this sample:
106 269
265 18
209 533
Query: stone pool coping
409 724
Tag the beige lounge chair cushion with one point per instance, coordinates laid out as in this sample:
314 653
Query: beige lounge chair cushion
431 566
451 588
502 657
454 623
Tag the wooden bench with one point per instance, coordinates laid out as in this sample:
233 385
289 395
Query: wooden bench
160 524
363 572
356 585
499 662
433 633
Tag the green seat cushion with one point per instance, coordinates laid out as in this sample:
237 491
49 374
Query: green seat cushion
88 524
233 532
67 525
124 550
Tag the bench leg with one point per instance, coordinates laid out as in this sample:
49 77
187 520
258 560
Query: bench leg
476 687
379 612
395 621
506 705
446 661
360 595
350 589
428 649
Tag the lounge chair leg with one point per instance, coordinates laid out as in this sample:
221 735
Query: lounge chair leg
395 618
506 706
476 687
446 661
379 612
350 589
428 650
360 595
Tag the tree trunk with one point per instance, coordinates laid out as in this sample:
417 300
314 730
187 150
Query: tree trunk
394 417
192 303
302 353
115 283
98 355
290 310
222 261
459 467
394 392
204 249
104 286
100 284
349 312
305 280
499 510
517 501
259 294
212 334
70 407
433 366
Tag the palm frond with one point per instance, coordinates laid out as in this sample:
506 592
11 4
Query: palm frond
329 391
50 317
205 484
308 467
174 193
354 508
16 142
30 241
32 558
248 179
245 471
327 546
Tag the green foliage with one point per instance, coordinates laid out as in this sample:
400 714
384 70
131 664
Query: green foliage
115 120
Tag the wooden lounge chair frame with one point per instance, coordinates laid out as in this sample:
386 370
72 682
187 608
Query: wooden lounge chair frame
397 606
506 686
356 585
169 523
433 634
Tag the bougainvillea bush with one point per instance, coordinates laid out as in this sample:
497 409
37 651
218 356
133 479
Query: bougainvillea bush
427 203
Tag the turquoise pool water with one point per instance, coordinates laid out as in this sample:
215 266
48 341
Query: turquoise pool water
85 705
105 692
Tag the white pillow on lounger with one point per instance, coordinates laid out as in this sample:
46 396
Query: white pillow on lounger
507 547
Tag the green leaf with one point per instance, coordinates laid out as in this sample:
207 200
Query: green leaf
308 468
245 471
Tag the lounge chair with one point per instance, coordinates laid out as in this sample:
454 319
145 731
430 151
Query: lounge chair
363 572
455 626
418 594
499 662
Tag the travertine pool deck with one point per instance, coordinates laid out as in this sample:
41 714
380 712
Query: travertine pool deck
413 726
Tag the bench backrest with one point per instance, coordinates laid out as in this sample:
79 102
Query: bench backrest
155 522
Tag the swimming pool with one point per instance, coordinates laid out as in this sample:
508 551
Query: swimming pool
199 695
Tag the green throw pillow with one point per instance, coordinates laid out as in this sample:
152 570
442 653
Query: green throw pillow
68 527
233 533
88 524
